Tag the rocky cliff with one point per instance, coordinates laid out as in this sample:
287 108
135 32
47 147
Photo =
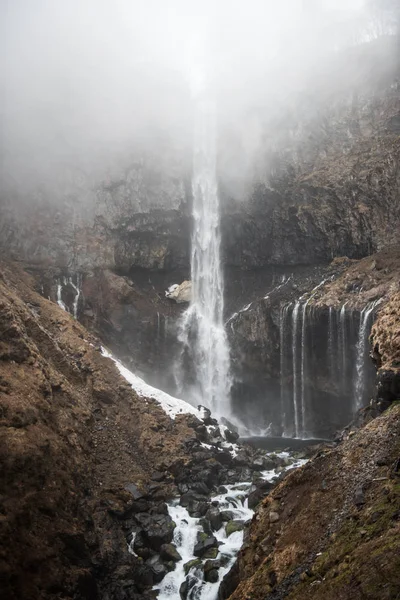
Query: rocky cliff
331 529
78 448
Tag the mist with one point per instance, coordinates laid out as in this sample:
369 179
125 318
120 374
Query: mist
94 85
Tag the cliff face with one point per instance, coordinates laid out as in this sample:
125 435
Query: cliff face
115 217
78 446
322 181
325 179
331 529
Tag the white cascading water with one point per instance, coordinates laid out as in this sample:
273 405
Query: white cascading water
296 407
202 328
364 330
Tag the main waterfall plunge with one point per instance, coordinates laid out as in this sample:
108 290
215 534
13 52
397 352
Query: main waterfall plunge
202 327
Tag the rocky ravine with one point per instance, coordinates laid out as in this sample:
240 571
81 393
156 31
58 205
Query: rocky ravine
86 462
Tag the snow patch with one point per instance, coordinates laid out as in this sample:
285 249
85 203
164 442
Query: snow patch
172 406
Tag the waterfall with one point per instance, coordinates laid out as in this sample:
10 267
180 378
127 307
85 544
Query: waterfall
334 344
68 281
59 296
366 318
77 294
202 328
343 343
303 366
284 330
296 407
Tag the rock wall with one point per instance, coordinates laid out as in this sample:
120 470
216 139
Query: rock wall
325 178
330 529
301 351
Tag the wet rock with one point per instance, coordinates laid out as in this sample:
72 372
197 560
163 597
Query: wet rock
157 568
169 552
233 526
225 458
231 436
211 553
189 497
215 518
196 562
227 515
197 509
211 576
258 491
141 548
205 525
245 475
199 487
204 544
258 463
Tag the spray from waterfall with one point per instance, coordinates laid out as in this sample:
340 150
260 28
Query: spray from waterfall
202 328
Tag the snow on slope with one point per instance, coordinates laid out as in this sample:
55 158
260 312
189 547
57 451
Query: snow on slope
172 406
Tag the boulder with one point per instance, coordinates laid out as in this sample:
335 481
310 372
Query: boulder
204 544
212 576
233 526
157 529
180 293
169 552
196 562
215 518
157 568
197 509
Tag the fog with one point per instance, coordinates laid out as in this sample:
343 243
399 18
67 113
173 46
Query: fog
94 83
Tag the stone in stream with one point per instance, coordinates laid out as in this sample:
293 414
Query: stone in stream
204 544
211 576
211 553
194 563
169 552
231 436
205 525
258 463
227 515
233 526
197 509
258 491
190 496
214 517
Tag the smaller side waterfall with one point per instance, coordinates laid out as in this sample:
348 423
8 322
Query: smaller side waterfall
366 320
325 372
60 301
77 289
69 293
